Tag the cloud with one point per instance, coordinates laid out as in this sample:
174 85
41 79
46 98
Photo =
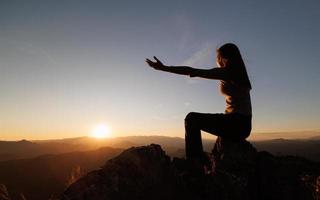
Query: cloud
204 56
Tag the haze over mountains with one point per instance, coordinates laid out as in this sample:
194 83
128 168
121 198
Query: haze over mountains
174 146
25 149
291 135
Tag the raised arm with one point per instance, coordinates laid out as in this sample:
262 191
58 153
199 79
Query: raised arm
214 73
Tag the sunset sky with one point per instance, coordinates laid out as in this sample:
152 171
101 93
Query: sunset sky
66 66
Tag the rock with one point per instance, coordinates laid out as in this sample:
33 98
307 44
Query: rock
4 194
137 173
22 197
237 157
286 177
239 172
235 162
311 186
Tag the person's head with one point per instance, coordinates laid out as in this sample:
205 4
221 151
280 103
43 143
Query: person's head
228 56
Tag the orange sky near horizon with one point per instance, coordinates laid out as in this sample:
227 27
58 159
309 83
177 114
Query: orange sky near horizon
86 130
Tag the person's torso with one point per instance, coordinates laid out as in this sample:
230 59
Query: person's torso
237 98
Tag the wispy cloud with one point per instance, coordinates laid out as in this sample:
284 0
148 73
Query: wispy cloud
204 50
204 56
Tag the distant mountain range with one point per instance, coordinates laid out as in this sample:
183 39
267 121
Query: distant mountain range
308 148
10 150
174 146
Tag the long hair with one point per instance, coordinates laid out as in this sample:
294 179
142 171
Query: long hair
233 61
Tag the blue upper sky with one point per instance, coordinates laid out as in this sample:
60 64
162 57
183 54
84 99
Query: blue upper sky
67 65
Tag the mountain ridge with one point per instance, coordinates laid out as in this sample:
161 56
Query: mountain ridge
174 146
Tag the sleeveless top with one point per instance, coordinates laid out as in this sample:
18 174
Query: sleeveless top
237 98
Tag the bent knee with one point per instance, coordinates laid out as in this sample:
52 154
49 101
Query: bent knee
190 117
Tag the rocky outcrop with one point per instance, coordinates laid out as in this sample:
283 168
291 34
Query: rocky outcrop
4 194
136 173
238 172
234 163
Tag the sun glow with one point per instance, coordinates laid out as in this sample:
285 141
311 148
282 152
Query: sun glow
101 131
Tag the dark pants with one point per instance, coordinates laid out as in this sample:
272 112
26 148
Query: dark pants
232 126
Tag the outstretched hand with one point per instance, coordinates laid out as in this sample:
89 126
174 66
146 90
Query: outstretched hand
158 65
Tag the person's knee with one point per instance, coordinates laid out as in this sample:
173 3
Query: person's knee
190 118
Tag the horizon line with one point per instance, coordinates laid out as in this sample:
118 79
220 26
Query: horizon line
168 136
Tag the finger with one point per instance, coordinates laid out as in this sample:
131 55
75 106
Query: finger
156 59
149 62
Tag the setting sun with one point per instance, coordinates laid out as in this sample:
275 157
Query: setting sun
101 131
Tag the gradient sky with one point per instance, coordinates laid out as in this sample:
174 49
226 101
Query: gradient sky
68 65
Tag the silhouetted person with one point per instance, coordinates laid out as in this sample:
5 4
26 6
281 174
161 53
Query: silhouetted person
235 85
